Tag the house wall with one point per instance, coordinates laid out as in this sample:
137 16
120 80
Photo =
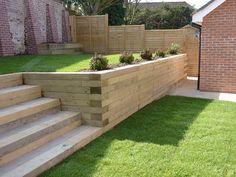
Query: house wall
218 60
27 23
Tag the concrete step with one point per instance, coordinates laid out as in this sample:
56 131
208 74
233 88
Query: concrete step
18 138
26 109
18 94
48 155
10 80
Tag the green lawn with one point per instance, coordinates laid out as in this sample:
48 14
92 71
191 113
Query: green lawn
172 137
50 63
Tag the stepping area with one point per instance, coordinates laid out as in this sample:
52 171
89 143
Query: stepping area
35 134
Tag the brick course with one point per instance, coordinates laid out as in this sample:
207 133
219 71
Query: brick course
27 23
52 33
218 60
6 46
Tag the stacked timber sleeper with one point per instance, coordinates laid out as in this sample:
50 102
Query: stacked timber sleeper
34 133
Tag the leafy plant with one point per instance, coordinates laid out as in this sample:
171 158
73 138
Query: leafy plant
146 54
127 58
98 62
161 54
174 49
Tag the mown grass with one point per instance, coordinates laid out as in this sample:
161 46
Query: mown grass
172 137
49 63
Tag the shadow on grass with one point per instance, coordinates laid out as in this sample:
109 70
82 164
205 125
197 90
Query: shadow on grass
163 122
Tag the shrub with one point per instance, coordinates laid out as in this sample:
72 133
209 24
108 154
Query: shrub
174 49
98 62
127 58
146 54
161 54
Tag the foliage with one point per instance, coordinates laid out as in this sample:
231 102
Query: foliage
131 11
174 49
98 62
127 58
89 7
146 54
116 13
161 53
164 17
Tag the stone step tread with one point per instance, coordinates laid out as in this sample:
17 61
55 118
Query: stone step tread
12 140
48 155
25 109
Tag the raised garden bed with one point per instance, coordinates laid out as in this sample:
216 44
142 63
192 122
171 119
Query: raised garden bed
108 97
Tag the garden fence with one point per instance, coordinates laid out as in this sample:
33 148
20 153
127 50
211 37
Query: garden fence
95 35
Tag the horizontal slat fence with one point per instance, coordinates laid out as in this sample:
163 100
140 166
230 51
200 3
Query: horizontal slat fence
162 39
95 35
126 38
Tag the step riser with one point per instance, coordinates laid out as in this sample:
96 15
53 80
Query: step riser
46 158
10 147
58 46
61 51
34 145
5 119
28 119
10 80
9 99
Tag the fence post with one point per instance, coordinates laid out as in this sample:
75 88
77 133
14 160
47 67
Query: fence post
73 30
106 33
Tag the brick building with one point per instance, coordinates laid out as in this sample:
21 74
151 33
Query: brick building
26 23
217 20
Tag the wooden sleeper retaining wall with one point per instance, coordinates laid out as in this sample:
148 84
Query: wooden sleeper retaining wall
108 97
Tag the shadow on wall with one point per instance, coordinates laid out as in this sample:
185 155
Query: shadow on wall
164 123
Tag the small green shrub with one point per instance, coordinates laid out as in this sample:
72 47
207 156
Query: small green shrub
98 62
127 58
174 49
161 54
146 54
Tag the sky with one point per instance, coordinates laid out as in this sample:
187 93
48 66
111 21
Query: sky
195 3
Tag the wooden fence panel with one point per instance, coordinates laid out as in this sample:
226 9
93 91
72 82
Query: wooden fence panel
126 38
95 35
116 39
92 32
162 39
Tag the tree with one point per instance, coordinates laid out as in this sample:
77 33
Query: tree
116 13
89 7
131 10
164 17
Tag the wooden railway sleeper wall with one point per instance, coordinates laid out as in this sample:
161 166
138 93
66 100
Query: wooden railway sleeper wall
107 97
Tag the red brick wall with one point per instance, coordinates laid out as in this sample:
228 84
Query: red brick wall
6 45
27 23
52 33
218 60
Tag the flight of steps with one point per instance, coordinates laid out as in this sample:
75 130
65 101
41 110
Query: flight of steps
54 49
34 133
